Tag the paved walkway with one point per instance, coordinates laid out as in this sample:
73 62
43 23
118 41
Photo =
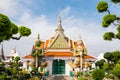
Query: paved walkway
54 77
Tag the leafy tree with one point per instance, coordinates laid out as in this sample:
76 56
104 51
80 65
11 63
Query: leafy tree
105 66
98 74
2 71
2 67
17 58
116 56
100 63
109 19
108 56
9 29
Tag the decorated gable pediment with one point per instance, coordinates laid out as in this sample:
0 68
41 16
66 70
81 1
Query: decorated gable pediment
59 42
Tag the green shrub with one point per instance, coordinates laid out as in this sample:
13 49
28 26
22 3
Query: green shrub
116 70
98 74
82 78
110 76
3 77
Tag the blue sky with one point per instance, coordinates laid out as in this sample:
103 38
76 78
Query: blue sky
78 17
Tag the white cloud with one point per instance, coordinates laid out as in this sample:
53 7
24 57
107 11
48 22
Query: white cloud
8 7
37 24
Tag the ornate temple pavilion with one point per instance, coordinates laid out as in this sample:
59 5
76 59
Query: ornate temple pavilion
59 53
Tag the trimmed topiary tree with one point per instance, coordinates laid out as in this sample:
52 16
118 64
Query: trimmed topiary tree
9 30
109 19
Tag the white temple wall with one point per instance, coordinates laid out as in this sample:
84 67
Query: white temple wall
49 67
25 65
67 68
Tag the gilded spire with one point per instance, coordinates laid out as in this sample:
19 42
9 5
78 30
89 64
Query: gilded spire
59 26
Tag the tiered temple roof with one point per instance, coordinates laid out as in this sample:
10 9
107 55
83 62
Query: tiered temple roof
59 45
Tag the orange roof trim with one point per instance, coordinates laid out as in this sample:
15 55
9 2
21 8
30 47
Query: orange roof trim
89 57
28 57
59 54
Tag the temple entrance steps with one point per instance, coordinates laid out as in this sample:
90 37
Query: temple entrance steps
56 77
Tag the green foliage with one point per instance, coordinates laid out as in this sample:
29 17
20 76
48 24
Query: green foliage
108 56
108 19
100 63
3 77
116 56
13 72
24 31
109 76
115 1
98 74
118 28
105 66
105 24
17 58
8 29
118 35
14 28
102 6
82 78
116 70
108 36
5 28
34 78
